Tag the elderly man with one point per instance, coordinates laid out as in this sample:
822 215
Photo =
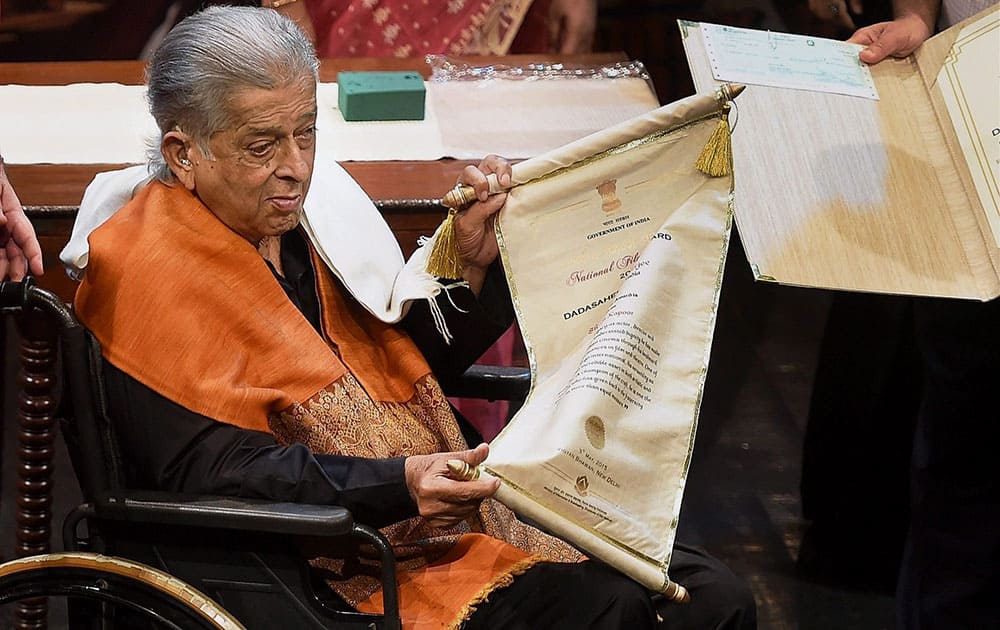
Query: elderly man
239 362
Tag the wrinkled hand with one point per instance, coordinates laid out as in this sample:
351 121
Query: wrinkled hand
571 26
475 230
443 501
897 38
19 248
837 11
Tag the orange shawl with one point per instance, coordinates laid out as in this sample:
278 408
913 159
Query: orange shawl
190 309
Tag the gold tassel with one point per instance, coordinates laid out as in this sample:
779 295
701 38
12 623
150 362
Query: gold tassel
443 261
716 158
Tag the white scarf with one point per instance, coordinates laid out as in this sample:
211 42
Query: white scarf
343 224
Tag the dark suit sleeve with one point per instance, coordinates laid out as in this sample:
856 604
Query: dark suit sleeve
168 447
474 323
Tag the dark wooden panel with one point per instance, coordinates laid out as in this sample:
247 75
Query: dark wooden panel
63 184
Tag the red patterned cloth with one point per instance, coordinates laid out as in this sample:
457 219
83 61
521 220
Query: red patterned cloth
407 28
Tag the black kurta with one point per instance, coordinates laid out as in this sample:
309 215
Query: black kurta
168 447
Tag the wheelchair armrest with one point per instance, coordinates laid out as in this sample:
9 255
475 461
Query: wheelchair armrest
246 515
296 519
492 382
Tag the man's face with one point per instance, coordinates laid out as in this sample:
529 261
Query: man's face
263 164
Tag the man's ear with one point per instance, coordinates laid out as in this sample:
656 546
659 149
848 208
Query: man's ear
175 148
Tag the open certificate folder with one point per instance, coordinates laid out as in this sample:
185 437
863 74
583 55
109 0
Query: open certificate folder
614 249
896 195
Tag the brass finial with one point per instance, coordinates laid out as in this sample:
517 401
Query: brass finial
677 593
459 197
461 471
732 90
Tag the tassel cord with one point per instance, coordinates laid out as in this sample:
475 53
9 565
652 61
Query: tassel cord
716 158
443 261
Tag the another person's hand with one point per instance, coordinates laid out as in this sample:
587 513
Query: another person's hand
444 501
19 249
837 11
571 26
475 230
897 38
298 12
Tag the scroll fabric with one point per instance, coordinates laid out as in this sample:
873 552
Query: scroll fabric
614 248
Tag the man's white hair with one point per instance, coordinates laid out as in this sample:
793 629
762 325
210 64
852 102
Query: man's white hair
212 55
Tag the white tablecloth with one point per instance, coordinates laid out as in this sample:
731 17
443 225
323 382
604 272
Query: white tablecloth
88 123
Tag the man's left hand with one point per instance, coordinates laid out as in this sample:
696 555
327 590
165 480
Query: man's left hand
475 231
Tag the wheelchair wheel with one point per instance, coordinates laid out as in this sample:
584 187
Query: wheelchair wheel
142 590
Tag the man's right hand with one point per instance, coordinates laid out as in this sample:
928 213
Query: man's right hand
444 501
19 248
897 38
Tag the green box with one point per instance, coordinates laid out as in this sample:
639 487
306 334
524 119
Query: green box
381 95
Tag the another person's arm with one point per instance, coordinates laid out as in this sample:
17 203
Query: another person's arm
572 24
19 248
297 11
168 447
837 11
913 24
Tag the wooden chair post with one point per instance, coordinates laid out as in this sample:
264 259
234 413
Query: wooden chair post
36 408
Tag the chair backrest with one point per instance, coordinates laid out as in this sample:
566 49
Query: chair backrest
86 427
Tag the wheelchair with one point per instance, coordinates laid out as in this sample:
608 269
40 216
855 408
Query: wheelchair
141 558
155 559
162 600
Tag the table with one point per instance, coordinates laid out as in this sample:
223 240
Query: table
403 195
406 193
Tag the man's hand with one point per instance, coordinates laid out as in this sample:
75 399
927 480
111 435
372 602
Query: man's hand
443 501
897 38
571 26
19 248
475 230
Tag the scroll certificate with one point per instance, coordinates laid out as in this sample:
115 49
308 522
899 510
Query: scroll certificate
614 251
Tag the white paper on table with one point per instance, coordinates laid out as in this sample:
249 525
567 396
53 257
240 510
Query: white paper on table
375 140
82 123
109 123
525 118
